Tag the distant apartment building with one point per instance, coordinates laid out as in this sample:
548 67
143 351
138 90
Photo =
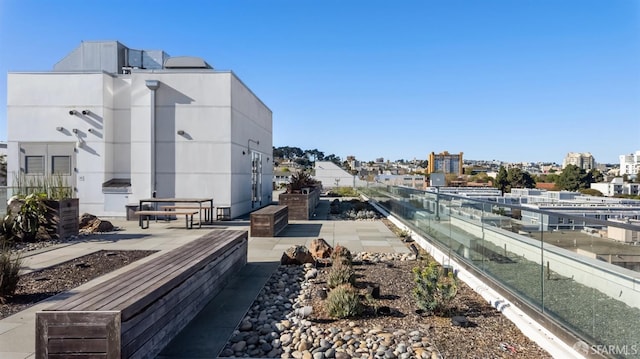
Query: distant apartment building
630 164
354 164
582 160
445 162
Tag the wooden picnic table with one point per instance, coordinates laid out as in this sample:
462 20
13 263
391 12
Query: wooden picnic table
205 204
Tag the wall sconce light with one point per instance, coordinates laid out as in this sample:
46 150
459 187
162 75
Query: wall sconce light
86 112
181 132
60 128
72 112
75 130
243 153
91 130
249 145
267 159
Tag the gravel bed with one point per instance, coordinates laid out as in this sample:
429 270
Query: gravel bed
287 321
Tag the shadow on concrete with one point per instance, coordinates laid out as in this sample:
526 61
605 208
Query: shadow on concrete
301 230
206 335
111 237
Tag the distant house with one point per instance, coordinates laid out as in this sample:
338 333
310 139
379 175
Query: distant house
617 186
120 124
546 186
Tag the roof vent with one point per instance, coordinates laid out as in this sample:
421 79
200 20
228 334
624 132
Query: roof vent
186 62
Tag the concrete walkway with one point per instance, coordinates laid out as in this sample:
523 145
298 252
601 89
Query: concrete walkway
207 334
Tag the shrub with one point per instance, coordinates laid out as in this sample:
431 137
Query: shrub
340 273
53 187
343 302
346 192
9 267
24 223
434 290
335 207
341 254
300 180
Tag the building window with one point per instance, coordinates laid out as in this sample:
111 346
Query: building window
34 165
61 165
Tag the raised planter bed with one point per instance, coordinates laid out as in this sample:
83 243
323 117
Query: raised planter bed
135 314
301 205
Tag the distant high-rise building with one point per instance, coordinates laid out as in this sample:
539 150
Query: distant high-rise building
582 160
630 164
445 162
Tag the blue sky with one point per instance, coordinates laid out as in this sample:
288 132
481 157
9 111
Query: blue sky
518 80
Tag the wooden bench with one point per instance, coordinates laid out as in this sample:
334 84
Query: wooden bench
188 215
206 210
269 221
135 314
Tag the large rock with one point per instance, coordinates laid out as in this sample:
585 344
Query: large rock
87 220
101 225
92 224
297 255
319 249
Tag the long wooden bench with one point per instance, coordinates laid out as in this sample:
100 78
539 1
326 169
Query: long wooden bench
138 312
147 214
269 221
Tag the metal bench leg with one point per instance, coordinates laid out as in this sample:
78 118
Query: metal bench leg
142 221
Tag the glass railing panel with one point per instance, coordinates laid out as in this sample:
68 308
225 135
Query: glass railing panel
3 200
586 284
582 272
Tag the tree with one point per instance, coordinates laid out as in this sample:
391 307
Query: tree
594 176
501 181
317 155
302 161
333 158
519 179
287 152
573 178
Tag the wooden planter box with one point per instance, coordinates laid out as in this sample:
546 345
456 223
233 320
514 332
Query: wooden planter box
301 206
269 221
63 217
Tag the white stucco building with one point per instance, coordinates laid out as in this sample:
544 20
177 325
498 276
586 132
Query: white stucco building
630 164
120 124
617 186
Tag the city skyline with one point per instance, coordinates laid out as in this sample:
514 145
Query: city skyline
515 81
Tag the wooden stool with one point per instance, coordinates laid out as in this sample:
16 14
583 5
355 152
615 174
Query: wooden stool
223 213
